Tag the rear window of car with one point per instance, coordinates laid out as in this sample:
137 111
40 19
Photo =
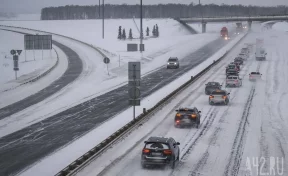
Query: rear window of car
232 77
218 93
212 84
186 110
156 145
173 59
231 66
255 73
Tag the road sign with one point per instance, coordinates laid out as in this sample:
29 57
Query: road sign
134 71
135 83
135 102
106 60
134 93
19 52
13 52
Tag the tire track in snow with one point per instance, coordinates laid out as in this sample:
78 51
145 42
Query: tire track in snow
232 168
205 156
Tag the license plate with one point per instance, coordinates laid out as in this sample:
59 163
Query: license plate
156 154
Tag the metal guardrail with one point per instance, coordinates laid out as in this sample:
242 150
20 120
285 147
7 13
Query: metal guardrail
89 156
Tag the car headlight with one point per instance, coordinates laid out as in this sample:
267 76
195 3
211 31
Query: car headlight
174 63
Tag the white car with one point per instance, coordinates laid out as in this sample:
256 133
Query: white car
219 97
233 81
253 76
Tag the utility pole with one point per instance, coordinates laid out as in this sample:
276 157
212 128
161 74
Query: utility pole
103 18
141 25
99 9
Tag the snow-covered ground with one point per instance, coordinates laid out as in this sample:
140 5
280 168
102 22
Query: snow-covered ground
28 68
281 26
22 17
118 121
252 126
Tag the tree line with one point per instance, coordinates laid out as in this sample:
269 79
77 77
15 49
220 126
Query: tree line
157 11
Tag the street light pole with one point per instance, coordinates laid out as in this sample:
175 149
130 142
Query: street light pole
103 18
141 27
99 9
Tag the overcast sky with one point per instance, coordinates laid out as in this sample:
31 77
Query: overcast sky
34 6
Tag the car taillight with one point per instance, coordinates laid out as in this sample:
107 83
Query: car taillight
211 96
145 150
193 115
224 97
178 115
167 152
177 121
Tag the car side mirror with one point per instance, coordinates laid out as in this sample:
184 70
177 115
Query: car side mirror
177 143
228 93
199 111
176 110
145 142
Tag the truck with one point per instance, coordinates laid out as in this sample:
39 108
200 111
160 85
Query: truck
224 32
239 28
260 54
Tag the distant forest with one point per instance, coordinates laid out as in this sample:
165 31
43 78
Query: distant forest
157 11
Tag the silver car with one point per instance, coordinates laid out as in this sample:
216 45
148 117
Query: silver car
219 97
253 76
173 62
233 81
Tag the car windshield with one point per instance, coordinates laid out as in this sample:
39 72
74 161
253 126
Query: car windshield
156 145
173 60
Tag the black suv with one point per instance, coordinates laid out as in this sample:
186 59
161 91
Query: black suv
187 117
160 151
211 86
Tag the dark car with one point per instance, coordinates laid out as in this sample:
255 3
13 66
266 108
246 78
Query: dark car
160 151
232 67
187 117
173 62
232 73
239 60
211 86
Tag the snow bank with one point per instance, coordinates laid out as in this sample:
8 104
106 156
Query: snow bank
280 26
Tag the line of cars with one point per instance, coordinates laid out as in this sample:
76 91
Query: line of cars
163 151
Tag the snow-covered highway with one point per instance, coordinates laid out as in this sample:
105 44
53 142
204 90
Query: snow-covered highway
253 125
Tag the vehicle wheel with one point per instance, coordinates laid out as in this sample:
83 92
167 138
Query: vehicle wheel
211 103
143 165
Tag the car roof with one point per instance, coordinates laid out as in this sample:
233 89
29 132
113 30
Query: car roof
158 139
213 83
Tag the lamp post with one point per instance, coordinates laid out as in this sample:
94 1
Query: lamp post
103 18
141 25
